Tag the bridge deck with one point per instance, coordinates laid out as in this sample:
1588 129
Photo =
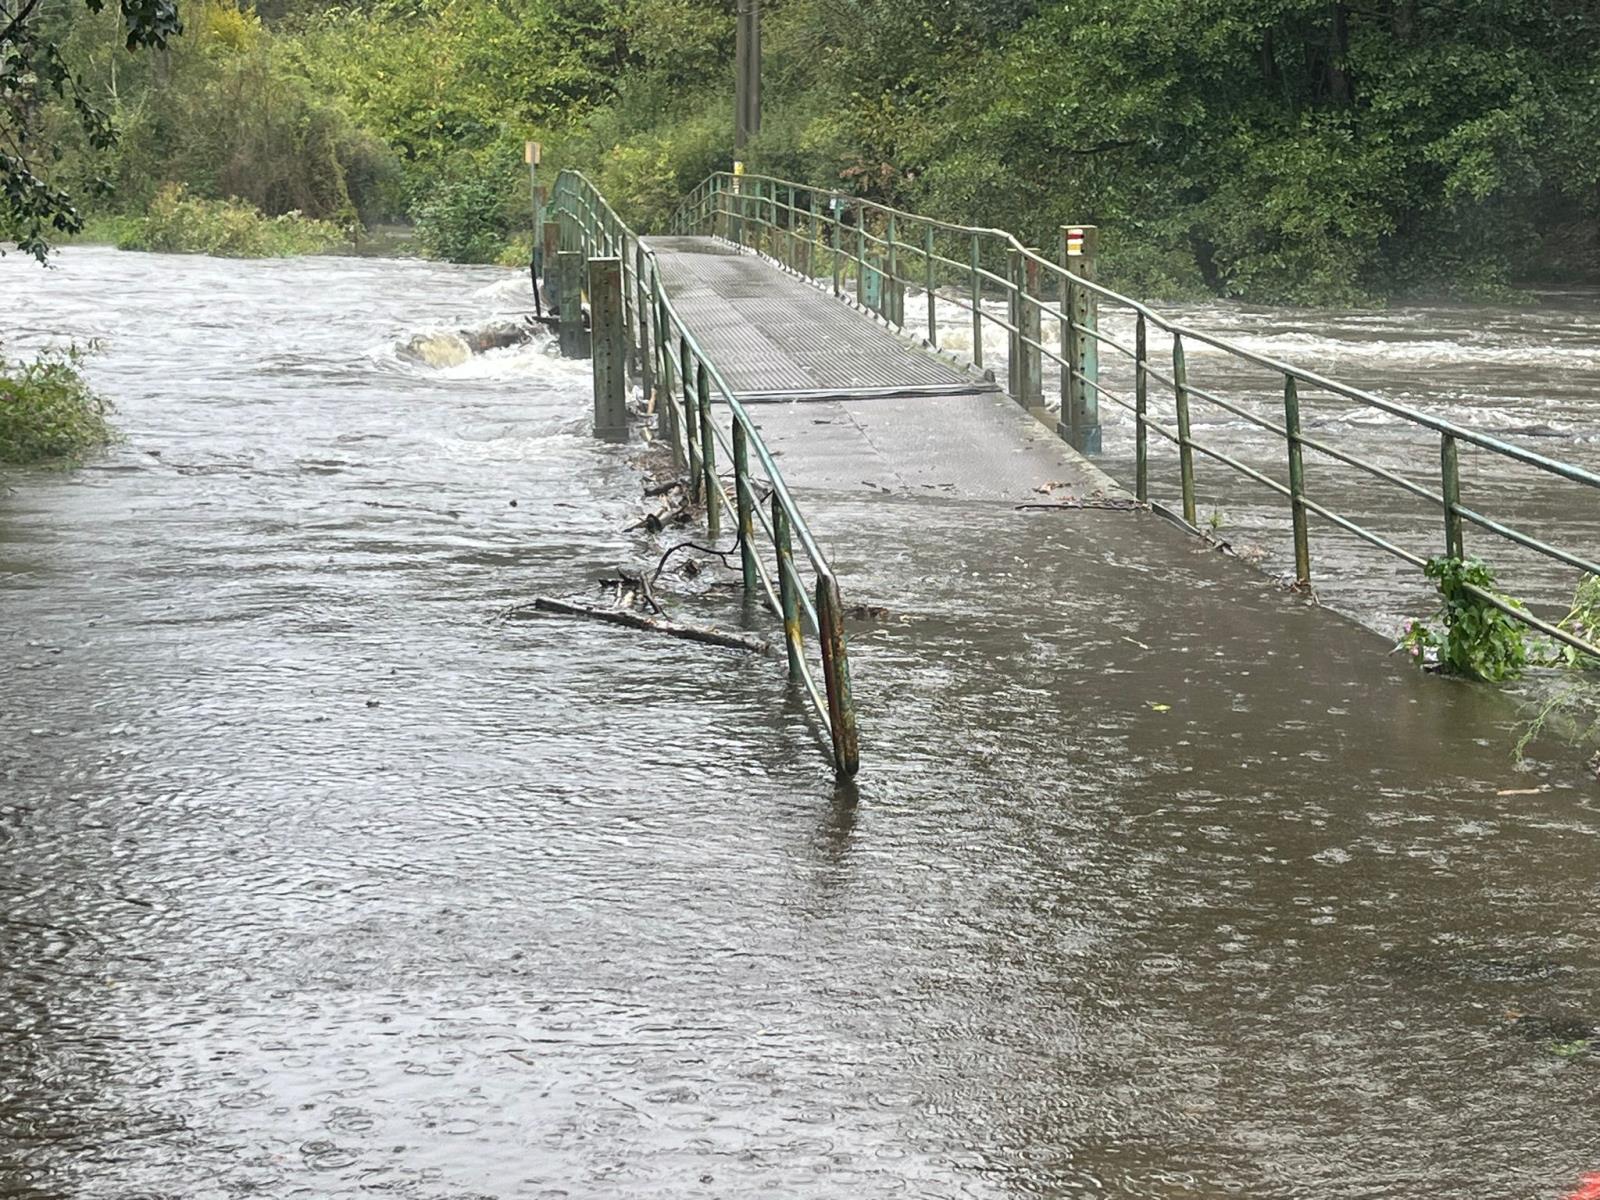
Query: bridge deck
868 409
775 336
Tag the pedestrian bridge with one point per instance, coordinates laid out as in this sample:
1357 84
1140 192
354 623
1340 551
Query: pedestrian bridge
781 321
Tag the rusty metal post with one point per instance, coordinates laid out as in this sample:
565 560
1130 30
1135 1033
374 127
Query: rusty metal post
1297 481
1031 336
1141 405
1080 409
1180 379
836 677
1450 477
610 347
574 338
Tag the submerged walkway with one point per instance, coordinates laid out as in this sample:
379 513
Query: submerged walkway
871 409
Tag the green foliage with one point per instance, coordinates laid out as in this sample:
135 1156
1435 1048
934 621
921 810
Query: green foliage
1478 640
462 221
1582 621
47 410
179 223
1302 151
34 207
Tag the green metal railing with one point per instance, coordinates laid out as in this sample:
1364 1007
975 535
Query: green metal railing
685 382
876 252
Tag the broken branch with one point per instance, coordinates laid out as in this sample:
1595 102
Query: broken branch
633 620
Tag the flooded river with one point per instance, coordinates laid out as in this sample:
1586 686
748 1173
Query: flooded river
317 881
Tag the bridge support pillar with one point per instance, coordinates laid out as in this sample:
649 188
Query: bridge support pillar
1080 396
569 291
610 358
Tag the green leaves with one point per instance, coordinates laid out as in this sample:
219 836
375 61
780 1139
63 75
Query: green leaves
48 413
1479 639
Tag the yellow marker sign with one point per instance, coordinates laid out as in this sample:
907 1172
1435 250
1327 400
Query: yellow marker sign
530 153
1074 242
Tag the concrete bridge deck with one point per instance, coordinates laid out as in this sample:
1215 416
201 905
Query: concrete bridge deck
872 410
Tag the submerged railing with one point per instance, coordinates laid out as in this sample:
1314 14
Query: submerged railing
870 253
684 381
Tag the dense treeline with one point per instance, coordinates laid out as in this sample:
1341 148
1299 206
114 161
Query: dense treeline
1274 149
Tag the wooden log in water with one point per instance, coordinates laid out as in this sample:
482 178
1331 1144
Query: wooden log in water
633 620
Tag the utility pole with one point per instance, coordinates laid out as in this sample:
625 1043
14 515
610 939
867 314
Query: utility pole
747 73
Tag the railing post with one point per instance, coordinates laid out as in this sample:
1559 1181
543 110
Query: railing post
668 415
837 210
933 312
788 587
1032 334
642 318
1013 266
1450 477
891 306
708 453
836 676
758 235
977 304
1081 399
1180 380
811 233
1297 481
630 334
574 339
861 252
744 505
691 419
1141 404
610 357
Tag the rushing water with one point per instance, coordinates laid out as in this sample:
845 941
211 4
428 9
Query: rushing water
315 880
1528 374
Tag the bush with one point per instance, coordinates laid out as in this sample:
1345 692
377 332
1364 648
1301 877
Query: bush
179 223
1479 640
47 410
463 220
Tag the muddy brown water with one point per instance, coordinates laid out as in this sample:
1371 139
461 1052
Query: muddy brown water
314 881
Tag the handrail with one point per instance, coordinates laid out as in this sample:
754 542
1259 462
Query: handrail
877 250
685 383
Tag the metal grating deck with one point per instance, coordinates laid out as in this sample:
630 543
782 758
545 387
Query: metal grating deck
774 336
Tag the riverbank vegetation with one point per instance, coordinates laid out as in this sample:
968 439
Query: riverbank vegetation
48 411
1282 150
180 223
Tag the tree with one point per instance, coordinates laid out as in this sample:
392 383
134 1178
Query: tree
33 207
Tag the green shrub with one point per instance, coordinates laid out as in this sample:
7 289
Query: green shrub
1479 640
48 412
179 223
463 220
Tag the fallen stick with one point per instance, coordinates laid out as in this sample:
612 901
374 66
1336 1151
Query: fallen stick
633 620
1113 504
